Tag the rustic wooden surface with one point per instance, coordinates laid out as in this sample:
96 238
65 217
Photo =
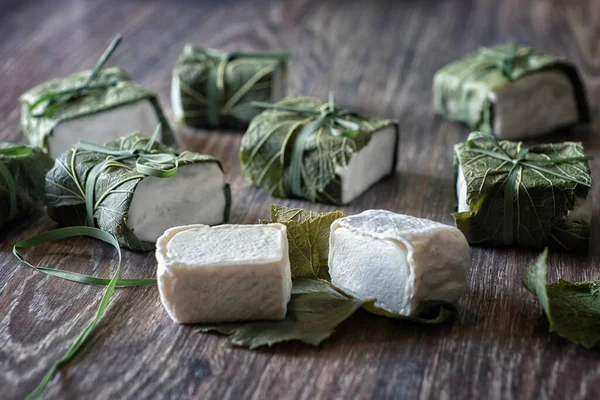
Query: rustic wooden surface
378 56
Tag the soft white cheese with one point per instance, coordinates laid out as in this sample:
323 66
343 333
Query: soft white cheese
194 195
581 212
176 103
533 105
104 126
224 273
400 260
369 165
278 84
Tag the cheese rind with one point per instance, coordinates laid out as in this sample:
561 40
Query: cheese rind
369 165
400 260
224 273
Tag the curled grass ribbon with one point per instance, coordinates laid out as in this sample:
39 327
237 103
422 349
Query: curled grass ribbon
69 232
51 101
327 114
110 284
518 161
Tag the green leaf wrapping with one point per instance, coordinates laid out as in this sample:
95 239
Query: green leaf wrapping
28 173
125 91
313 313
572 309
543 200
113 192
308 239
461 90
267 145
245 78
315 310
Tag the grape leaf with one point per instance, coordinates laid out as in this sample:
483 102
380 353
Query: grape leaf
308 239
572 308
429 312
313 313
316 308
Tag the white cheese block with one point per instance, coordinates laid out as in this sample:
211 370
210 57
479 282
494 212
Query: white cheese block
581 212
224 273
534 105
400 260
277 91
176 103
103 126
194 195
369 165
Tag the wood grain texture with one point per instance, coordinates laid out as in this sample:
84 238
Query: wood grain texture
379 57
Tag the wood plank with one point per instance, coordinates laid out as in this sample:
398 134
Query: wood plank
377 56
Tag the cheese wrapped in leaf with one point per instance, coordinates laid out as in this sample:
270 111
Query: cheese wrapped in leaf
512 92
405 263
213 89
135 189
302 147
535 197
96 115
95 106
22 173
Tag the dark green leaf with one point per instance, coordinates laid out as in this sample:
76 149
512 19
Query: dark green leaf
308 239
572 309
313 313
431 312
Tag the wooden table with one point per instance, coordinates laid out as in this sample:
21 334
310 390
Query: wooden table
377 56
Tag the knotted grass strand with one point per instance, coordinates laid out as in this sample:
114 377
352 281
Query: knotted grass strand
114 281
